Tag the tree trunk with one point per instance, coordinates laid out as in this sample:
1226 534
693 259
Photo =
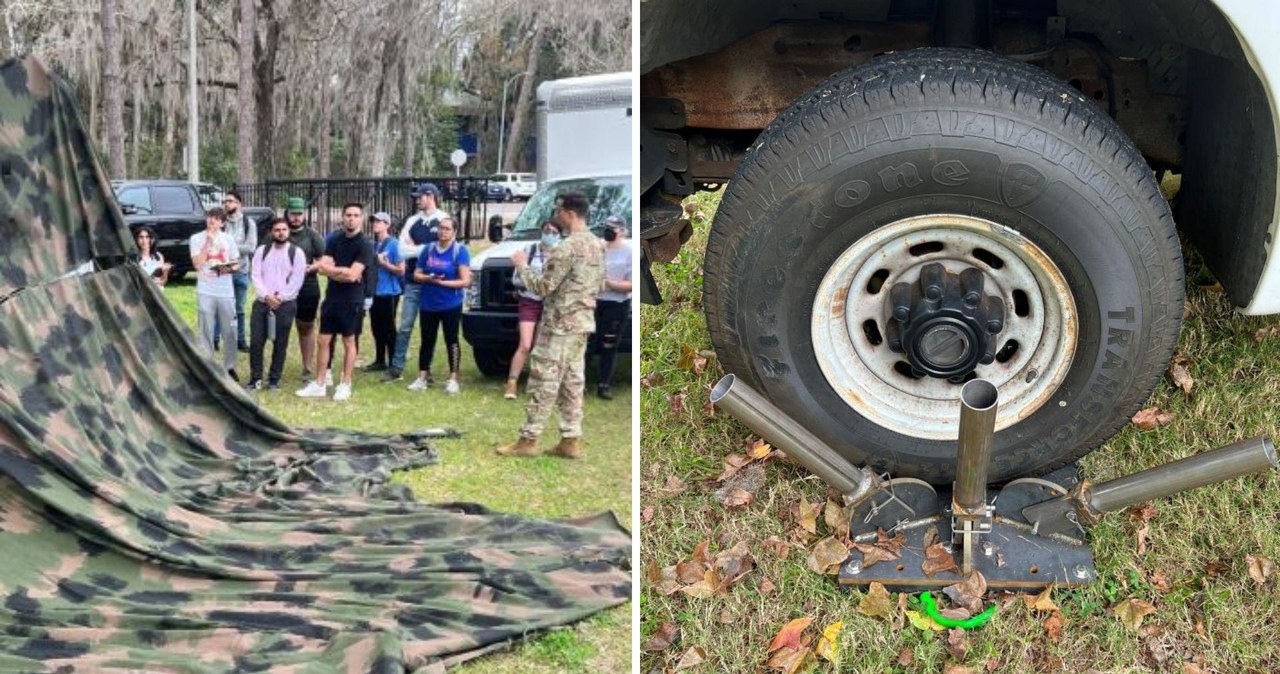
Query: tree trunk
408 114
246 104
170 127
512 149
382 110
138 105
264 69
113 90
326 121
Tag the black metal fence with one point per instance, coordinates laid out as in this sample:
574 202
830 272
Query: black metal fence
463 197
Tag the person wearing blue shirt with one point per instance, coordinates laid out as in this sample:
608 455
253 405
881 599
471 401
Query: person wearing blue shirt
382 315
444 270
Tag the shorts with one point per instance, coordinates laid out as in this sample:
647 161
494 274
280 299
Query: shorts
529 311
308 302
341 318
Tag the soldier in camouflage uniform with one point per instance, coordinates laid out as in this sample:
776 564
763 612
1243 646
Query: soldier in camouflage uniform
573 275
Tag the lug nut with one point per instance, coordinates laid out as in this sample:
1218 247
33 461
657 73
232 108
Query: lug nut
853 567
988 548
995 325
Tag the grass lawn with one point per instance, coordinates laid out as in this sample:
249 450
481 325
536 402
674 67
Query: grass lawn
1209 615
470 471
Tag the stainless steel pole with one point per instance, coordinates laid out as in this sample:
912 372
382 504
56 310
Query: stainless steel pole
1217 465
978 405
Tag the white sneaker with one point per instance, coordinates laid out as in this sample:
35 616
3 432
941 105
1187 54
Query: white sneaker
419 384
328 379
311 390
451 387
343 392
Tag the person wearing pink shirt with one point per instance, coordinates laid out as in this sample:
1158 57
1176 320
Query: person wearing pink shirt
279 268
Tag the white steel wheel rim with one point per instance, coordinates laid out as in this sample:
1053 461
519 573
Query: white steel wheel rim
869 376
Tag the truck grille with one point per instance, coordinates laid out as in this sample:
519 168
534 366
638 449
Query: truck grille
497 290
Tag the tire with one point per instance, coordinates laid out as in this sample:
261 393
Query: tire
510 197
492 363
942 143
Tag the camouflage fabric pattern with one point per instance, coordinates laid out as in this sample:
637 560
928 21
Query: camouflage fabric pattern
154 518
556 378
569 283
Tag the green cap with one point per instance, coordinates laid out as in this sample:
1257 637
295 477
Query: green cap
295 205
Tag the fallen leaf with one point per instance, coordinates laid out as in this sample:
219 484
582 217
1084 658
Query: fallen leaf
871 554
1150 418
689 572
700 552
921 621
664 580
837 518
827 643
1159 580
758 449
789 635
733 564
789 660
1266 333
956 644
1131 612
646 515
876 603
778 546
1261 569
905 656
738 498
691 658
1191 668
827 555
1053 627
651 380
674 486
708 409
994 664
1042 601
767 587
937 560
691 360
1215 569
662 638
1141 533
705 588
930 536
968 592
953 668
676 400
1143 512
807 515
893 544
732 464
1178 373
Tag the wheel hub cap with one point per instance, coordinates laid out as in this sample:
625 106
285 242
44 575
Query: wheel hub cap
943 323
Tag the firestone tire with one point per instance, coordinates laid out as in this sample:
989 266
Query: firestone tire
941 136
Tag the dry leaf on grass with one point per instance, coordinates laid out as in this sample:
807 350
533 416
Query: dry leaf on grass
876 603
758 449
663 580
662 638
968 592
827 555
1143 512
1151 417
1179 375
691 658
828 641
1266 333
708 409
674 486
776 545
957 645
740 489
705 588
646 515
921 621
789 635
737 498
953 668
732 464
1141 534
937 560
837 518
1159 580
691 360
690 571
905 656
1042 601
807 515
789 660
767 587
1053 627
1131 612
733 564
651 380
676 400
1191 668
1261 569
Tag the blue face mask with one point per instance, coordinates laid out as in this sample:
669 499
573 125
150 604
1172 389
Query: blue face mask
550 240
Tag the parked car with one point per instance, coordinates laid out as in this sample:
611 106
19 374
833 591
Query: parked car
510 186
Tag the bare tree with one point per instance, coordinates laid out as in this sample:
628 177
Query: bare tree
515 139
113 90
246 104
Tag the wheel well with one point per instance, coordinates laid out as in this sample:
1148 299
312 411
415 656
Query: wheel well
1172 73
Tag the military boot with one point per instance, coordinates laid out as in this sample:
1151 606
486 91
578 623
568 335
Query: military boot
522 447
569 448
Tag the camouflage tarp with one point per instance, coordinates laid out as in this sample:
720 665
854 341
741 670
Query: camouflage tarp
153 518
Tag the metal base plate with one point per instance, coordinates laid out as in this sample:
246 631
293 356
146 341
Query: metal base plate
1019 561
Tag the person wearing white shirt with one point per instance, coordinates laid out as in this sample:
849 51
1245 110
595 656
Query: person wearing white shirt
216 257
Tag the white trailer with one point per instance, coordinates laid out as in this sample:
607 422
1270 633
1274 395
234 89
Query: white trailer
584 126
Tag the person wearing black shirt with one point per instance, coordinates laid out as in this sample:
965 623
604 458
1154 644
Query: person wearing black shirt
344 261
303 236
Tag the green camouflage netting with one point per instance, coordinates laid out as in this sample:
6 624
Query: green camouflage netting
153 518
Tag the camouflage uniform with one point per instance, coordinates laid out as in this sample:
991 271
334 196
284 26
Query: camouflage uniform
569 282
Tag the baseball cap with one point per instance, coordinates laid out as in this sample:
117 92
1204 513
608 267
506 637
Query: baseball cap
615 221
295 205
426 188
385 217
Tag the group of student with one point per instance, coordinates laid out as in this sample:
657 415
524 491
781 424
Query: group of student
422 274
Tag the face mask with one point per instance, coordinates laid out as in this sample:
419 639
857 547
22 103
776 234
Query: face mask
610 234
550 240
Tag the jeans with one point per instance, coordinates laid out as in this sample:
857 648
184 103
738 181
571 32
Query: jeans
610 319
217 314
241 281
408 316
279 341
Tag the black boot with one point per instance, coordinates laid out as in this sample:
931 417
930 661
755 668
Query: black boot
605 391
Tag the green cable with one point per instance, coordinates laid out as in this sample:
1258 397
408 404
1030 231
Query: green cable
931 610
